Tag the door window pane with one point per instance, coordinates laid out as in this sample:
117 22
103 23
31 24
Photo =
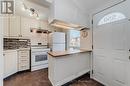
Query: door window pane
112 17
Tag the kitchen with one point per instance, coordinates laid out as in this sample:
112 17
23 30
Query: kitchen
67 43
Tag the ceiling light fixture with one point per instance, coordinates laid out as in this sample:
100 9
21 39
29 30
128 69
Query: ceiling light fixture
24 7
32 11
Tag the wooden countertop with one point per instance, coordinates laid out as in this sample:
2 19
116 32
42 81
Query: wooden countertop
67 52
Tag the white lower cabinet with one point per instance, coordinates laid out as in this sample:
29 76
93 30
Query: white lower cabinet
23 60
16 60
10 62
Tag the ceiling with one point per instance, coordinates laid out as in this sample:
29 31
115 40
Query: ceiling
42 6
88 6
43 3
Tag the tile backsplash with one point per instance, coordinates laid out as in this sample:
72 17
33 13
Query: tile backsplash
13 43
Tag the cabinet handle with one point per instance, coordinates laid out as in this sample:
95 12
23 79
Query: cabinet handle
23 66
129 57
23 60
20 35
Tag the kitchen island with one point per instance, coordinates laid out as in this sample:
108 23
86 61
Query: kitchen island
65 66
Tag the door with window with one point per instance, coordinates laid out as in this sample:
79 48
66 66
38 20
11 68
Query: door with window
111 32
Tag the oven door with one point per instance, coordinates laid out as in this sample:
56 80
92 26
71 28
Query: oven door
39 58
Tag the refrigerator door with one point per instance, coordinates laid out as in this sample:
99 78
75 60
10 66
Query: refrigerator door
58 47
58 37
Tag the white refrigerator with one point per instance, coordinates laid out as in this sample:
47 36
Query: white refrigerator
57 41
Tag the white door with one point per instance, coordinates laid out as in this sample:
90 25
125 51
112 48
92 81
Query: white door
111 42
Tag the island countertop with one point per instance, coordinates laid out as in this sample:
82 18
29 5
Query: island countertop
67 52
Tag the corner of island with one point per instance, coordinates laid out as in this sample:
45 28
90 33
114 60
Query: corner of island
65 66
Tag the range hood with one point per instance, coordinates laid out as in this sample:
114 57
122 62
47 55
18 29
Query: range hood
65 25
39 30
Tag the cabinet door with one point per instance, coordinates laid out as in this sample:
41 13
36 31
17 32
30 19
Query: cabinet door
14 26
5 24
10 63
26 25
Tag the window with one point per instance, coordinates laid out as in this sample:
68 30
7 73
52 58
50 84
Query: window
112 17
74 39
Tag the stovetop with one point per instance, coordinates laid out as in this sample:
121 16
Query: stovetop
40 49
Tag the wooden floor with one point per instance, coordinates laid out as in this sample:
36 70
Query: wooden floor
40 78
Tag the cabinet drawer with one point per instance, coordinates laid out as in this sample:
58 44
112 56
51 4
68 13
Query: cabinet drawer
23 66
24 57
23 61
23 54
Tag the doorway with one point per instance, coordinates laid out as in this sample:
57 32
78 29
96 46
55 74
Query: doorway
111 44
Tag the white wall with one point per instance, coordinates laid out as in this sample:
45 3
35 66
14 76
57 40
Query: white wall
1 51
86 43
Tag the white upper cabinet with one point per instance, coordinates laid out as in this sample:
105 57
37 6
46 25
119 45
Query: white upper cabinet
14 24
17 26
25 26
5 26
11 26
67 11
